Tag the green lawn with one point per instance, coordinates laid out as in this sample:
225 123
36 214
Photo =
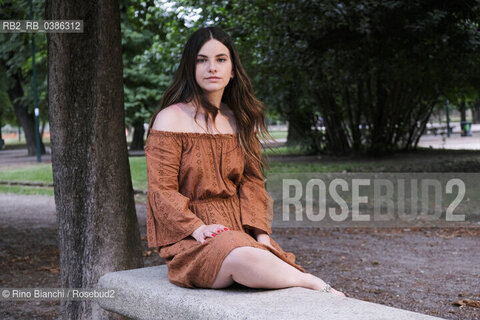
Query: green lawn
138 169
16 143
278 134
34 173
26 190
291 167
423 161
284 151
43 172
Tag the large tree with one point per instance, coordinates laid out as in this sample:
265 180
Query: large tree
97 224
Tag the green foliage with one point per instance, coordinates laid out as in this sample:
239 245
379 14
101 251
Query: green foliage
152 40
16 61
139 81
6 108
373 69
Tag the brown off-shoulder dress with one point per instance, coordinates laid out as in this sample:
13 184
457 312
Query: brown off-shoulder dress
203 178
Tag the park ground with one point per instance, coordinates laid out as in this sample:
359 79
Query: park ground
419 269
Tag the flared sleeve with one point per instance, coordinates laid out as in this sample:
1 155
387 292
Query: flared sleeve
169 218
256 204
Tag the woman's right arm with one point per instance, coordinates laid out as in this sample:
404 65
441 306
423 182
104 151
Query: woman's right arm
169 218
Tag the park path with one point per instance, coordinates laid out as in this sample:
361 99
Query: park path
455 142
38 211
418 270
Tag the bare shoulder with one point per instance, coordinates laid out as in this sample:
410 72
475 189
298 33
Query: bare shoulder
171 118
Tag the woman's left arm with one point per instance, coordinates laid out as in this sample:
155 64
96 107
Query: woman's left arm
256 204
262 237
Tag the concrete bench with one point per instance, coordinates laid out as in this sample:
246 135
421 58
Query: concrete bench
146 293
438 129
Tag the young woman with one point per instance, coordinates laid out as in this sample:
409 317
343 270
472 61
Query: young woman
207 208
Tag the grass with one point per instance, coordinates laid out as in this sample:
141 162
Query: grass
278 134
292 167
33 173
16 143
26 190
284 151
43 173
138 168
439 161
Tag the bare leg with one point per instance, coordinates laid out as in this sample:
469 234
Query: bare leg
258 268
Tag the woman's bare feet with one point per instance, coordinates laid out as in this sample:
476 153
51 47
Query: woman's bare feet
320 285
337 293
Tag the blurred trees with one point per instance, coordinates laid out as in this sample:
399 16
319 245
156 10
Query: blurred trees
373 70
16 78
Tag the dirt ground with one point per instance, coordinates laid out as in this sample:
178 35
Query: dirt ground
422 270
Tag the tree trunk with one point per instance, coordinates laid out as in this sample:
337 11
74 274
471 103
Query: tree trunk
298 128
1 114
25 119
2 142
97 224
336 136
137 141
463 110
42 128
476 112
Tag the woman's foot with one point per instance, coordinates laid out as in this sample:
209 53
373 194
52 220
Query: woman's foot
337 293
320 285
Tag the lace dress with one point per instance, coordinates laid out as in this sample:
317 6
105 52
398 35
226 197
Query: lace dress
203 178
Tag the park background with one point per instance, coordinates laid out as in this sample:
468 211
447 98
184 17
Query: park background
349 86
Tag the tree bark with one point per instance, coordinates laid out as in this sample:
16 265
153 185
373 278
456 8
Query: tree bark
337 140
476 112
25 119
1 114
97 224
298 128
463 110
42 128
2 142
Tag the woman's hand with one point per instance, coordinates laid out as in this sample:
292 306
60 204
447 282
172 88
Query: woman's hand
208 231
265 239
262 237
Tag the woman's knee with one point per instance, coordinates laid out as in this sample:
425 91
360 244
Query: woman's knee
241 256
234 259
223 280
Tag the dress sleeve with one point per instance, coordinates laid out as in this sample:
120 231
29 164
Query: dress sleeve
169 218
256 204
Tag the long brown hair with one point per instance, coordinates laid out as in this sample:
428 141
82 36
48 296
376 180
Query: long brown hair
238 94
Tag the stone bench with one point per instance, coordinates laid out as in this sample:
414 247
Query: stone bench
436 129
146 293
